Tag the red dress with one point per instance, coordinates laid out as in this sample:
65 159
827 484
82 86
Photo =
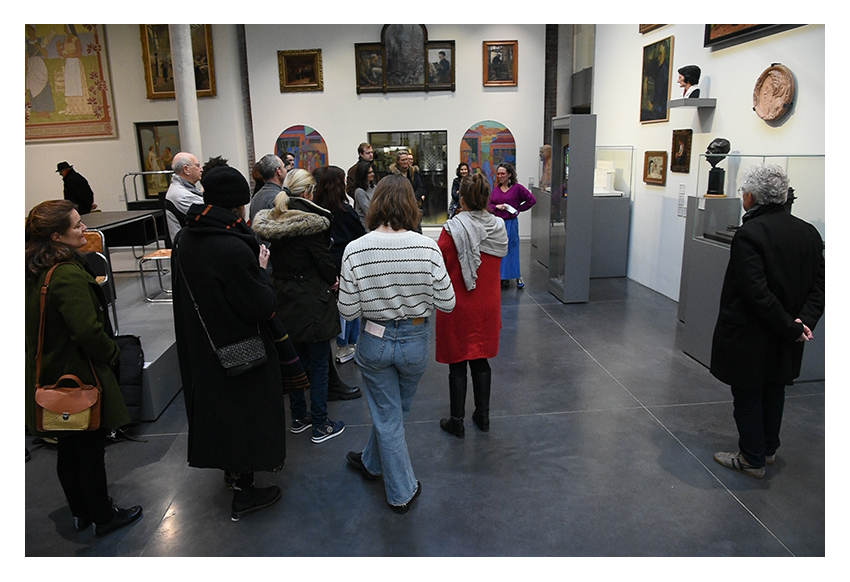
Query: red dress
471 331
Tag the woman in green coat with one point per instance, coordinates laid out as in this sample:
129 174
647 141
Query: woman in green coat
76 331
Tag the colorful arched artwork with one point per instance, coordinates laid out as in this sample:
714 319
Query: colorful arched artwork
485 145
306 144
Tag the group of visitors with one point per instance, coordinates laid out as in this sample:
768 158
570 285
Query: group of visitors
309 267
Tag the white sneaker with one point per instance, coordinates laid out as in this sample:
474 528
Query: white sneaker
345 353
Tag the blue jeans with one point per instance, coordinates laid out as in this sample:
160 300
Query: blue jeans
349 334
314 357
391 367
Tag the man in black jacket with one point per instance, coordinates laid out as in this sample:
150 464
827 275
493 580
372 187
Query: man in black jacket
773 296
77 188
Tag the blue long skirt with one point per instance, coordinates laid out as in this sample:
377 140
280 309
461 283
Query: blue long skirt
510 262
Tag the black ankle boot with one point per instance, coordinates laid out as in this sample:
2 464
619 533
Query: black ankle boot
481 396
248 499
337 389
457 403
120 518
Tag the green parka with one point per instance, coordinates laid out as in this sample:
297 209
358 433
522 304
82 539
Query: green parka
76 328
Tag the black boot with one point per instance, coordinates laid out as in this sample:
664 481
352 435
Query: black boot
120 518
248 499
457 403
481 397
337 389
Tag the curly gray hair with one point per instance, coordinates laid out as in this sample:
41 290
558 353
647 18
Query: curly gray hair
768 183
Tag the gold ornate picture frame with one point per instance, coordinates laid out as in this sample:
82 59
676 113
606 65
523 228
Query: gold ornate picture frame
300 70
156 55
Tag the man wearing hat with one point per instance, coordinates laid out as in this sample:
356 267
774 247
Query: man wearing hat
77 188
688 80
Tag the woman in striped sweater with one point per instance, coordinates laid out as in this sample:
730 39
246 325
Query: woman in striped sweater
393 278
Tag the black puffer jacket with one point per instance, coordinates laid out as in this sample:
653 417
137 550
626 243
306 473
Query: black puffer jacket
304 270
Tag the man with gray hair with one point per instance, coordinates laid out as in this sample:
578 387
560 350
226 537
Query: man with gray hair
272 171
773 296
183 191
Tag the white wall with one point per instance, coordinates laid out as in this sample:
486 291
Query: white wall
105 162
344 118
657 232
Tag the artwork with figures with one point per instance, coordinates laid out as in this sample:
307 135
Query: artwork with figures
306 144
156 56
369 59
485 145
158 142
655 81
404 46
68 94
655 167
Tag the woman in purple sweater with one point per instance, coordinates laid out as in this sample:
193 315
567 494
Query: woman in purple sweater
508 199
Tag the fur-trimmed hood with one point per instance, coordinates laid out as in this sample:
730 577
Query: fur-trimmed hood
301 219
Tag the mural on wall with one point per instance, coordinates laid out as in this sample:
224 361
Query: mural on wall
306 144
655 80
485 145
67 83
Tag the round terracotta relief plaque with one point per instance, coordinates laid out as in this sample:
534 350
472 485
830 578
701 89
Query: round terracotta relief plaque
774 92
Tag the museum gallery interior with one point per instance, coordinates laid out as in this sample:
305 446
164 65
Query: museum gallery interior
604 416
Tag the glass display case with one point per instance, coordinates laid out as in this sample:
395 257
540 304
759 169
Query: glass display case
614 173
571 212
721 213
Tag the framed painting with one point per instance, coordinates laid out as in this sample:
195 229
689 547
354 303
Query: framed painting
655 168
68 94
644 28
369 62
158 142
500 63
655 80
441 65
720 36
404 51
300 70
156 55
680 154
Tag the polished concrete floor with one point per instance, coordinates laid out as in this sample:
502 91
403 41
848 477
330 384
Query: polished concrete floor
601 444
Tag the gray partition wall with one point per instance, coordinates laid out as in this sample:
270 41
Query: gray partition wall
571 218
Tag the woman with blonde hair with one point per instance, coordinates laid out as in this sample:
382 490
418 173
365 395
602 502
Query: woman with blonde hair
394 279
305 281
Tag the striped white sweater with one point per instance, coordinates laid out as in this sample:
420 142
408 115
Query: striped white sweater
393 276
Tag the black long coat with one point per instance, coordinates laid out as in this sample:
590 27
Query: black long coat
78 191
235 423
775 275
304 269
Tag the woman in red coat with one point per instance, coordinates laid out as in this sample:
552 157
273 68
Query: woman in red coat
473 244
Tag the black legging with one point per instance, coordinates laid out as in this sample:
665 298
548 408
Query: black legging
475 366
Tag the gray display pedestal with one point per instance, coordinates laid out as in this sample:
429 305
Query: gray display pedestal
571 222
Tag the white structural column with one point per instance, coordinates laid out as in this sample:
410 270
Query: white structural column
184 89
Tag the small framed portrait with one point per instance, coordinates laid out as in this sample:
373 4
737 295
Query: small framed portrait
680 153
500 63
655 168
369 67
441 66
156 54
300 70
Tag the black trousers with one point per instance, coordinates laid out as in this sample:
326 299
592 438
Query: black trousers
475 366
81 467
758 414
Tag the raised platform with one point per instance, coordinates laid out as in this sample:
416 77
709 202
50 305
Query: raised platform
154 324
